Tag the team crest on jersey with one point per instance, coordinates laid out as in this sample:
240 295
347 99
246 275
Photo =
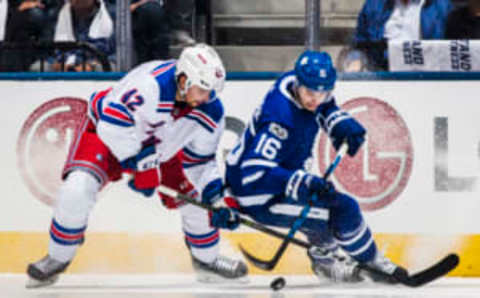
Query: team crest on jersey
43 144
278 131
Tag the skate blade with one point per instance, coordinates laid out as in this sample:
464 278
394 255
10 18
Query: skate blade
35 283
216 279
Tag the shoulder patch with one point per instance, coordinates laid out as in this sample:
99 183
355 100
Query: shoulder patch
277 130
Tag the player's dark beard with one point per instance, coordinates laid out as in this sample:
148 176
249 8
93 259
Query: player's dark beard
180 104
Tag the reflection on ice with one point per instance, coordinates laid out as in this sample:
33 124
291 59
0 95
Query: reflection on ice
185 286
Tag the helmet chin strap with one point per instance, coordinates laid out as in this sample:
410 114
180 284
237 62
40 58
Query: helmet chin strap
295 94
183 92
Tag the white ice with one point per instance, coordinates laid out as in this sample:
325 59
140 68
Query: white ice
185 286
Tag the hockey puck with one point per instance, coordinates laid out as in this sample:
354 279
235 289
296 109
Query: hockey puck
278 283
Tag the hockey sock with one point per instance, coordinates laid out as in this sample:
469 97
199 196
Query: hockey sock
201 238
75 200
350 230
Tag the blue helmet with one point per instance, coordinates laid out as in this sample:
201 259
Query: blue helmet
315 71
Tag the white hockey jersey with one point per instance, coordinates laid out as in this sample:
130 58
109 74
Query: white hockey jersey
141 110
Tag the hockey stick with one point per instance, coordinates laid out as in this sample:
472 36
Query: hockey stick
440 269
270 264
431 273
437 270
254 225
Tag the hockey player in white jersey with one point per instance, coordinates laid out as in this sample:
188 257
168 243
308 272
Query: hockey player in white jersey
162 123
269 179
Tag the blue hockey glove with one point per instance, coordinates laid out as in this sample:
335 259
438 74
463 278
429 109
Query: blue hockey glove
224 218
351 131
148 192
144 160
341 126
301 186
212 192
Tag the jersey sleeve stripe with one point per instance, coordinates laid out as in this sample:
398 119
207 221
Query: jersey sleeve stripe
204 117
117 114
192 155
293 210
258 162
122 110
163 68
201 122
195 160
254 177
187 165
191 159
96 102
247 201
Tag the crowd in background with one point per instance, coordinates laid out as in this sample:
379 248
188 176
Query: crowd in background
157 24
381 21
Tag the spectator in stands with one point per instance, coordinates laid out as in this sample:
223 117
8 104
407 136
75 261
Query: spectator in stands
31 20
84 21
180 17
464 22
383 20
25 21
150 30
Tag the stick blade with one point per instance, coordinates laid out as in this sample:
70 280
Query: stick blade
262 264
442 268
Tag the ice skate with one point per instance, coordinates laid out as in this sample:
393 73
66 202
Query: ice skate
333 265
384 270
44 272
221 270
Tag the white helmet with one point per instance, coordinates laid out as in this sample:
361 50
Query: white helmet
202 66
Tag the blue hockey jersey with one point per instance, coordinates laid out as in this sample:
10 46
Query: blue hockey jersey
278 141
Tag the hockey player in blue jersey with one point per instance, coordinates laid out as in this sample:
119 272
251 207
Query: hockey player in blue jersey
267 171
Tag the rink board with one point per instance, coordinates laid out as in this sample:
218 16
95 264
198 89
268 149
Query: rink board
423 134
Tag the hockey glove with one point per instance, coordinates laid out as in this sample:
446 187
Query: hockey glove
144 160
224 218
301 186
351 131
146 168
148 192
212 192
341 126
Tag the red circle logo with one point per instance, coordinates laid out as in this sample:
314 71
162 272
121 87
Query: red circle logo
43 144
380 170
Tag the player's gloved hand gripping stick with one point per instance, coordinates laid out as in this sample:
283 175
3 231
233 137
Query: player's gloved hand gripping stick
270 264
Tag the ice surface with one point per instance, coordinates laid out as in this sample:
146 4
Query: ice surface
185 286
